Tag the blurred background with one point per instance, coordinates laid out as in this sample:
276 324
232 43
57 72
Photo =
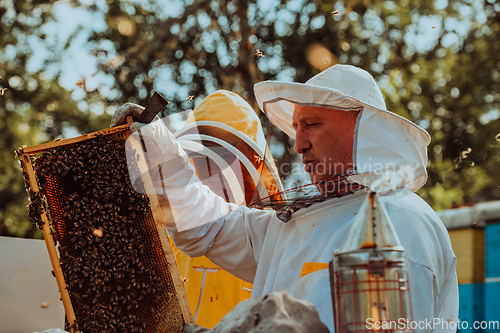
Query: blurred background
65 66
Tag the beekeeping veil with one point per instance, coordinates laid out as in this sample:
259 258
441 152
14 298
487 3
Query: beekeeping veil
224 140
388 151
220 147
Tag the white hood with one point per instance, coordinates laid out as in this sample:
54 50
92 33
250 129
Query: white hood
385 144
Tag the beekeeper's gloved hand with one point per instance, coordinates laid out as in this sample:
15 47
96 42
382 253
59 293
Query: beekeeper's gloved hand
156 141
175 183
192 205
163 153
128 109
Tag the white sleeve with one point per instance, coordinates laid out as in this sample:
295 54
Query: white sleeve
238 244
447 308
199 221
434 307
202 223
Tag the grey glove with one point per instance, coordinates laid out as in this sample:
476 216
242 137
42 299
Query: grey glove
127 109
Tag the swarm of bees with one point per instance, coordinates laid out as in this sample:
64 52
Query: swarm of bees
35 208
116 274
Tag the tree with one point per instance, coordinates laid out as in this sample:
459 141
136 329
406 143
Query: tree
448 86
34 108
447 82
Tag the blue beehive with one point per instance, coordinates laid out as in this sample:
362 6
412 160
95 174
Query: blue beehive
471 305
492 234
492 281
492 306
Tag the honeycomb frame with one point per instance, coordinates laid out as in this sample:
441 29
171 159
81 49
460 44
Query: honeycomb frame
48 200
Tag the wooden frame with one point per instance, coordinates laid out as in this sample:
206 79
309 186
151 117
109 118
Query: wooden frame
24 154
51 247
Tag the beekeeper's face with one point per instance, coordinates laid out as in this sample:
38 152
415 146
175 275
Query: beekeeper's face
325 138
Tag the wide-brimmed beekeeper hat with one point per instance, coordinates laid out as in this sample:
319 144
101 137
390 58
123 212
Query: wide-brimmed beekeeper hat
383 140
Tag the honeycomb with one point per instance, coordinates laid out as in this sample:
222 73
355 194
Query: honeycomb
251 194
110 252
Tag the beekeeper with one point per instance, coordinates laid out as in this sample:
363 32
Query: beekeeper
224 140
341 126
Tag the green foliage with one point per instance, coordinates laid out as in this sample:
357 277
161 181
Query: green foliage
34 109
447 82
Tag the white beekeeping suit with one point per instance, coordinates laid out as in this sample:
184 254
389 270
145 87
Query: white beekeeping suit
257 247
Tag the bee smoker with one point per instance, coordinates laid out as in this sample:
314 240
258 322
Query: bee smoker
370 288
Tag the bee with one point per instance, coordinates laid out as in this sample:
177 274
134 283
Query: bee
97 232
19 151
259 54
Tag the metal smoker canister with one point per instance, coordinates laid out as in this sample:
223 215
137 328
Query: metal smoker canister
370 288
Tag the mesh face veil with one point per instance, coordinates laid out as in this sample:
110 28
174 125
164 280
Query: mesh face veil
224 141
389 152
229 162
300 191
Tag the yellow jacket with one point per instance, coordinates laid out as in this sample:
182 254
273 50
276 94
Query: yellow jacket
211 291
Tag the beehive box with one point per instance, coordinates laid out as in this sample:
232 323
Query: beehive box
468 246
107 243
492 239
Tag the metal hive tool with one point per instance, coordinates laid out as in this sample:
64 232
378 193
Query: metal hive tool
114 265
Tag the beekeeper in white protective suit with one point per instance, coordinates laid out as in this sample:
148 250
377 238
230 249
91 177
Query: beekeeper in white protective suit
341 126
